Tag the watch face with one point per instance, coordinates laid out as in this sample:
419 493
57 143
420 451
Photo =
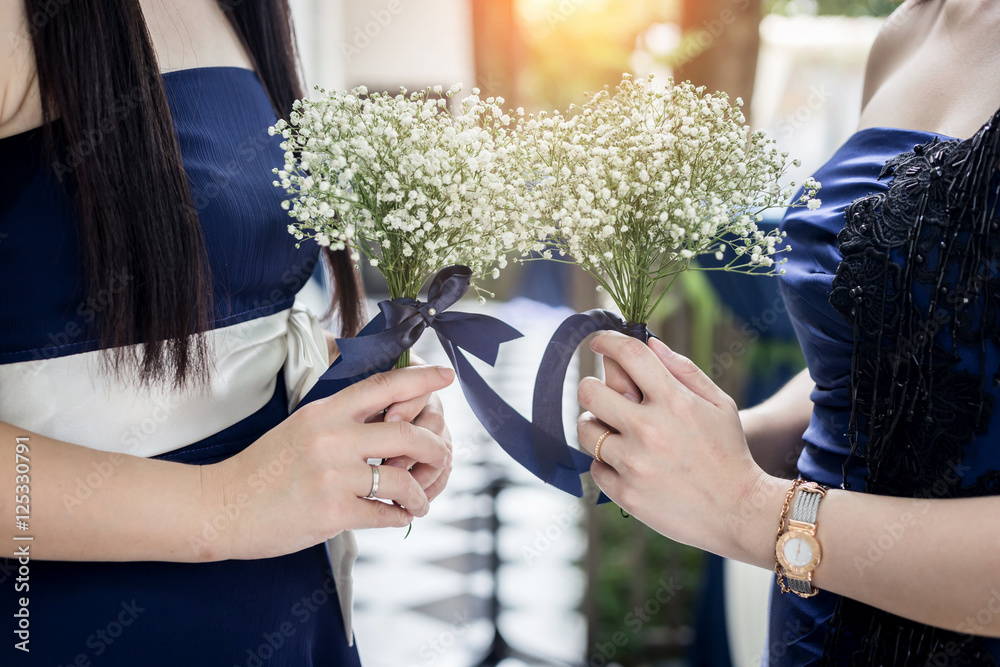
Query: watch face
798 552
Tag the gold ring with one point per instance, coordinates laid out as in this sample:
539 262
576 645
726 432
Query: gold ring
597 447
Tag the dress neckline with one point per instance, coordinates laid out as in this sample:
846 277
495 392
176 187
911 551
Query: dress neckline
886 129
170 74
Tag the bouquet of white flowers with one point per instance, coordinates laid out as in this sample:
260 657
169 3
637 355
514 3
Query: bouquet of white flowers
634 186
413 181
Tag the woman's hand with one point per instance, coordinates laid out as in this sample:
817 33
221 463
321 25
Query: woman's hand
306 479
425 411
676 458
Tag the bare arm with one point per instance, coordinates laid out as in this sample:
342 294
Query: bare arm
302 482
87 504
774 428
681 465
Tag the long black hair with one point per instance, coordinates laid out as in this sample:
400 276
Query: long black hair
134 207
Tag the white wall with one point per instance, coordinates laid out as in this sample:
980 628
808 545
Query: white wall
384 44
317 24
388 43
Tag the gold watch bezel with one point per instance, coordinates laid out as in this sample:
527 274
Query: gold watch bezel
803 571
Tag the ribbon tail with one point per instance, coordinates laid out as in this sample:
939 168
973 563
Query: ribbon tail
505 425
548 435
547 426
479 335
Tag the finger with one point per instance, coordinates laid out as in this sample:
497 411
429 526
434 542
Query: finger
639 362
607 404
608 479
437 486
431 417
394 439
688 373
399 486
591 430
381 390
376 514
616 378
425 474
407 411
401 462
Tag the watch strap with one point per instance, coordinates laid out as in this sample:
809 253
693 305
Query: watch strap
800 586
806 505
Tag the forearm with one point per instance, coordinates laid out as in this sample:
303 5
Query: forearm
929 560
774 428
87 504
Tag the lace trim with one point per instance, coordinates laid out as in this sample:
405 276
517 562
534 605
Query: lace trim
919 283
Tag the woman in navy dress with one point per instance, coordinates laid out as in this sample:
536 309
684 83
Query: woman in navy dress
163 504
892 284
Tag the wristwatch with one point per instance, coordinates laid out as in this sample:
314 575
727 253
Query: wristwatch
797 550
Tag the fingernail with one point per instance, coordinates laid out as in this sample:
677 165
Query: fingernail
658 345
446 373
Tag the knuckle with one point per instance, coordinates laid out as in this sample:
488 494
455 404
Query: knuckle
632 348
381 381
586 391
626 462
646 430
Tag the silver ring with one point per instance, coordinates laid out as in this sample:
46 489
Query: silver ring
371 494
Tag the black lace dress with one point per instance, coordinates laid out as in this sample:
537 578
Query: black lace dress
893 285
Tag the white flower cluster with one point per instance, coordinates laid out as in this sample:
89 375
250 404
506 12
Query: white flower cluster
633 186
413 181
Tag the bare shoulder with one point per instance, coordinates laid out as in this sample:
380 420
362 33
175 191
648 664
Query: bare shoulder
193 33
20 103
901 35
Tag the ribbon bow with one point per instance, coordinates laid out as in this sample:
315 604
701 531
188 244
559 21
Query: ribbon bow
400 324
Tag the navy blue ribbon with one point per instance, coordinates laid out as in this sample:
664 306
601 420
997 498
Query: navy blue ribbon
556 458
399 325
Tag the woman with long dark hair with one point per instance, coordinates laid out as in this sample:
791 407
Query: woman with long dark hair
885 549
162 507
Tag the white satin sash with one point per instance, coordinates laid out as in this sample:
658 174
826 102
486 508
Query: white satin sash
76 400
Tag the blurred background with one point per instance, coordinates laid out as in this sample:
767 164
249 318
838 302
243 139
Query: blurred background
504 570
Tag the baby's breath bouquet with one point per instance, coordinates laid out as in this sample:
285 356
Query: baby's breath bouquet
635 185
414 181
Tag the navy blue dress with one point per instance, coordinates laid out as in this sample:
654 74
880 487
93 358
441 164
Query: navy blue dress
278 611
797 626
